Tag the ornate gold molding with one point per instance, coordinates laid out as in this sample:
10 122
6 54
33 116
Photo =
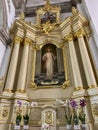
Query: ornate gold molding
74 11
92 86
69 37
79 34
8 90
20 91
33 85
22 16
27 41
66 84
78 88
17 40
47 27
48 7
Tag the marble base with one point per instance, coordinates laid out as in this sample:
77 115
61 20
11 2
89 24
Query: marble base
17 127
21 95
79 93
7 94
93 91
26 127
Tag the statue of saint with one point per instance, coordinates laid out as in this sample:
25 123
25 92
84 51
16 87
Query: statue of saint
49 59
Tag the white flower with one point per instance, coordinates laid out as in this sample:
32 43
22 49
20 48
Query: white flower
45 126
33 104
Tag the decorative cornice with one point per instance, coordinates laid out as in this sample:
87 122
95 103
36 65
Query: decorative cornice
69 37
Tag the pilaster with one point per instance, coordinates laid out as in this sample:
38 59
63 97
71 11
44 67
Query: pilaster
13 65
23 69
86 60
75 66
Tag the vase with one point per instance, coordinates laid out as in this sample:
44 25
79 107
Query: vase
68 127
84 127
26 122
77 127
26 127
18 121
17 127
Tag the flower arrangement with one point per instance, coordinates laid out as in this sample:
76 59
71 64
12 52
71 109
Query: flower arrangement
45 126
68 119
74 105
81 114
75 117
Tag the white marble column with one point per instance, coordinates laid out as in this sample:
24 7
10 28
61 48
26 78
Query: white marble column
13 65
75 66
23 67
86 61
33 85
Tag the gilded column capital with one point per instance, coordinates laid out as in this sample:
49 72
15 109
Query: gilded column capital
69 38
27 41
79 34
17 40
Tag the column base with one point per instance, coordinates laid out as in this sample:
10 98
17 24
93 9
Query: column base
93 91
20 95
7 93
80 92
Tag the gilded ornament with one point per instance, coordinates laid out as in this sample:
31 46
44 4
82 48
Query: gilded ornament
17 40
48 7
78 88
66 84
47 27
27 41
49 117
22 16
92 86
79 34
33 85
69 37
20 91
8 90
74 11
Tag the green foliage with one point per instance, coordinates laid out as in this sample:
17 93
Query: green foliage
26 117
82 118
18 119
76 119
68 119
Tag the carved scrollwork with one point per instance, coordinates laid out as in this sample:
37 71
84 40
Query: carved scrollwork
95 109
5 111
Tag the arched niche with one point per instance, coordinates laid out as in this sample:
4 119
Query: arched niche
40 76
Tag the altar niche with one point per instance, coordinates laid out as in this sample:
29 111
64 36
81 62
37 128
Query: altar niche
49 66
